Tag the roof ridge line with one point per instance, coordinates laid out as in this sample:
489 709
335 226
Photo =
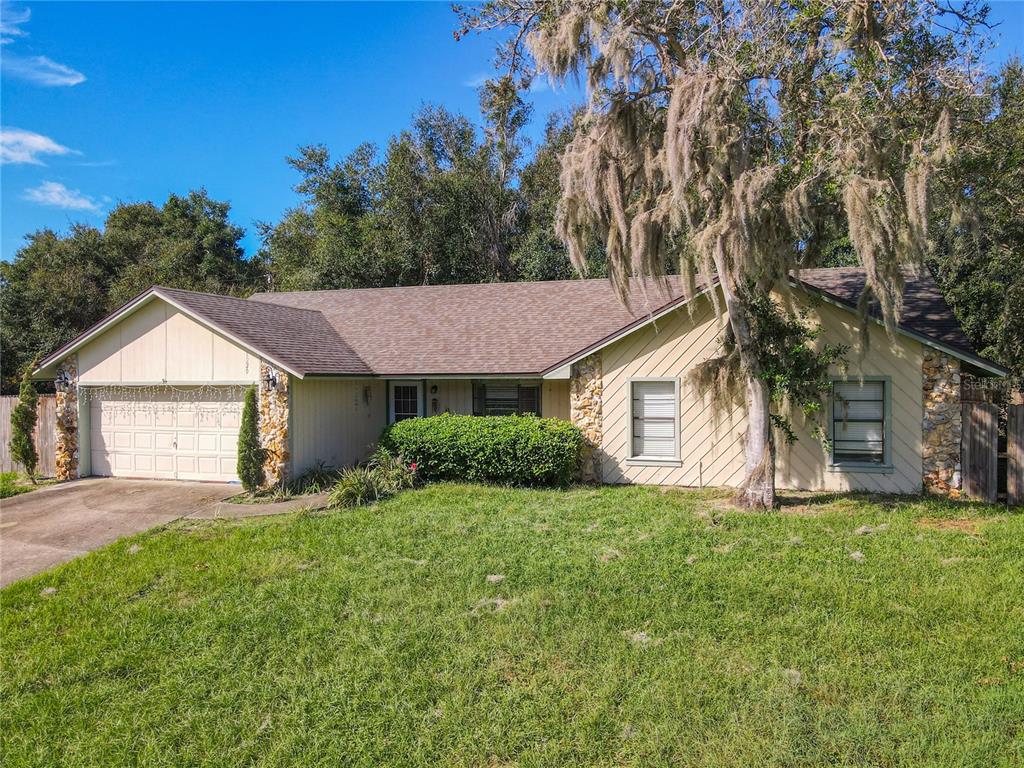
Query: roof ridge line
574 280
220 296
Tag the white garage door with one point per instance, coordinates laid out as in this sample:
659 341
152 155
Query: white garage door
176 433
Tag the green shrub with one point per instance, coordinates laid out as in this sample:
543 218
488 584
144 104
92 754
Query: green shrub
250 454
391 474
382 475
507 450
23 426
9 485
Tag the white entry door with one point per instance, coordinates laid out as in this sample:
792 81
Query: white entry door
164 433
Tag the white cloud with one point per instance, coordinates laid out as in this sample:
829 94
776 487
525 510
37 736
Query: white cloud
11 19
55 194
476 81
41 70
20 146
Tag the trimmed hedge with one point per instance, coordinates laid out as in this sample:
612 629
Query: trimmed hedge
506 450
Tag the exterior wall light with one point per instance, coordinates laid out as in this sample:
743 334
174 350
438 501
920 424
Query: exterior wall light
270 380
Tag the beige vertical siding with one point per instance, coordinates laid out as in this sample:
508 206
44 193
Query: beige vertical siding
332 422
554 399
453 396
803 465
711 441
157 343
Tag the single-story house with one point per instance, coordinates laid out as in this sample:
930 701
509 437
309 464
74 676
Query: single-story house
155 390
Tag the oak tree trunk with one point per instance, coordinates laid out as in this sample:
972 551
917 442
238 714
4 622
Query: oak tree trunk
758 488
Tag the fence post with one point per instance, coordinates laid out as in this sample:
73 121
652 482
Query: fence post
1015 455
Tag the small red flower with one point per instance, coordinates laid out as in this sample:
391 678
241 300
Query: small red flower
412 467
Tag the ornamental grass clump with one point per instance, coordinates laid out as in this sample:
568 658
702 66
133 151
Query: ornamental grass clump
504 450
380 477
320 479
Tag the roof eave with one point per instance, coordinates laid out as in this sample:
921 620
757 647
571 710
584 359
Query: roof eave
92 331
975 360
636 325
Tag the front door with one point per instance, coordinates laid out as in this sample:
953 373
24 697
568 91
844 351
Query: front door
406 400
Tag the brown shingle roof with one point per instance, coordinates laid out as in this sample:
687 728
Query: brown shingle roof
299 338
531 328
484 329
501 329
925 311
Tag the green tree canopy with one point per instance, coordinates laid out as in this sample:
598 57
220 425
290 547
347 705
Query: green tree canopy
978 256
446 202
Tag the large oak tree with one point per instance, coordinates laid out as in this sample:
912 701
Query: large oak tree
725 139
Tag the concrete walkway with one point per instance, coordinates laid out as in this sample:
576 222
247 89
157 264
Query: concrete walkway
44 528
224 510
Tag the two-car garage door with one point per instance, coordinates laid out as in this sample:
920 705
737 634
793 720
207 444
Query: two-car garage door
174 433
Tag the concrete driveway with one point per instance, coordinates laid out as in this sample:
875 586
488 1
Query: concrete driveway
44 528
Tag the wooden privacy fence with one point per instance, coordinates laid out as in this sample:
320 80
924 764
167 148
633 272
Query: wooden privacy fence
45 435
1015 454
993 464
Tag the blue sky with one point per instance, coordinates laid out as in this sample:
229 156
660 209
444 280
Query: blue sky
109 102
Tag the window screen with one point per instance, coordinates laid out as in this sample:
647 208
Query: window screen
654 419
504 398
858 421
406 403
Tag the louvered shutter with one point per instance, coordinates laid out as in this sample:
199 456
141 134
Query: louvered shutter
478 398
528 400
654 419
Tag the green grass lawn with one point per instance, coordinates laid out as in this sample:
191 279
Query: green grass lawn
15 483
461 625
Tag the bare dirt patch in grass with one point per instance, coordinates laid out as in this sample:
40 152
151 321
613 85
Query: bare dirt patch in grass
641 639
493 605
963 525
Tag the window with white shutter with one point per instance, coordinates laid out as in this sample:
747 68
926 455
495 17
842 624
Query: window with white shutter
859 428
655 414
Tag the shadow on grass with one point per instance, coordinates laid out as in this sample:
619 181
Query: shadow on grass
817 501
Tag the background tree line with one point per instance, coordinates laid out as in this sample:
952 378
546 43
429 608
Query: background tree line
445 202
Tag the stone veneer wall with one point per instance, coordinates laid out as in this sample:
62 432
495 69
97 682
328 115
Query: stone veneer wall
273 424
66 401
586 391
942 425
